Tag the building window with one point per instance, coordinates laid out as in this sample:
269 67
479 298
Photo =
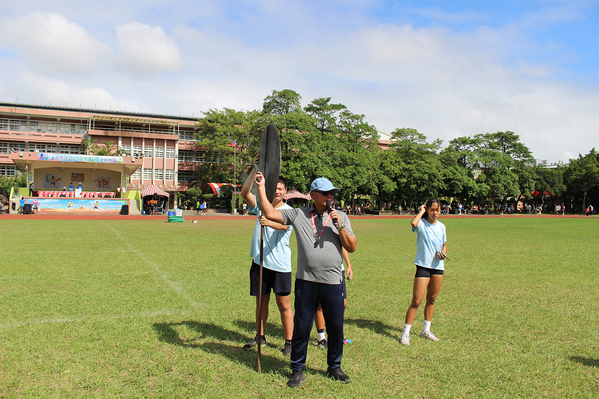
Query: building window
158 174
126 150
159 153
184 156
169 175
137 174
147 174
137 151
184 177
3 148
8 170
50 148
187 136
170 152
40 148
148 152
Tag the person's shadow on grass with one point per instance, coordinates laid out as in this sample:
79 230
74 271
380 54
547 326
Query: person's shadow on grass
377 327
587 361
272 330
203 335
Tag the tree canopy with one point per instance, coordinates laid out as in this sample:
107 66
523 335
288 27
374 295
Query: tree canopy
327 139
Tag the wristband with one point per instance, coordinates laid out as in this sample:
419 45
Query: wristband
341 227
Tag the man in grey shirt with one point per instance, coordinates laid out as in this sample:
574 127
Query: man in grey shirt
320 234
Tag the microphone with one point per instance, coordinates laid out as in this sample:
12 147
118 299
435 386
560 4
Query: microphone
329 209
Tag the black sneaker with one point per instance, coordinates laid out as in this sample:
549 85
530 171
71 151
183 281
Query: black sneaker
297 378
286 349
337 374
254 342
322 344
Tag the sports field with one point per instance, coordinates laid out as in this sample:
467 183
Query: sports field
145 308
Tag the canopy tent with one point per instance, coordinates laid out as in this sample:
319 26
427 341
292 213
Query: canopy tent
215 188
153 189
293 193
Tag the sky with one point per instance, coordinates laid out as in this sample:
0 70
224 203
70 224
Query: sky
446 68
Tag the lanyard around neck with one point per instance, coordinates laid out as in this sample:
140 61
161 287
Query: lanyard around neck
324 225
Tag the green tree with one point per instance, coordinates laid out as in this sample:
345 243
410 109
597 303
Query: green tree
420 170
498 161
582 175
356 156
324 112
226 137
458 181
282 102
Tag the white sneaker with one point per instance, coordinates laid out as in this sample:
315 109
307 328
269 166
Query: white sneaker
405 340
429 335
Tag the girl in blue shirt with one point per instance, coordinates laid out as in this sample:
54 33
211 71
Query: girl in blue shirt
431 244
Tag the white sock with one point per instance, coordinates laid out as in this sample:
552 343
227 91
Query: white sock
406 329
427 326
321 336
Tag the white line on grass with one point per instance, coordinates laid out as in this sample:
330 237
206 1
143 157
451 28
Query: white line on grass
175 286
87 318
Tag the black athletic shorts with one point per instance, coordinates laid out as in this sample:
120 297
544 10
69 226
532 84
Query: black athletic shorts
427 272
278 282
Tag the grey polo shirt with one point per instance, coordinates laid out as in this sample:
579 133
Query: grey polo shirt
320 263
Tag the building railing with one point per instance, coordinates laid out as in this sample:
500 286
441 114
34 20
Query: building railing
32 126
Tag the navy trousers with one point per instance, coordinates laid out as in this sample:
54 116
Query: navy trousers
307 297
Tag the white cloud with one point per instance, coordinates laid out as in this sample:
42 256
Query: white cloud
49 42
147 50
38 89
443 82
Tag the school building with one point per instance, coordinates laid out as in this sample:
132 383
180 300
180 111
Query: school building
49 145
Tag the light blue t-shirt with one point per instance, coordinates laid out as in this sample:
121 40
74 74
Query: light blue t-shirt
277 252
429 239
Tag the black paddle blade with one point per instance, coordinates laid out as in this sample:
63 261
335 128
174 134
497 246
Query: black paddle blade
270 160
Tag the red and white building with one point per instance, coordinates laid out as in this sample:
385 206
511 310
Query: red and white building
166 145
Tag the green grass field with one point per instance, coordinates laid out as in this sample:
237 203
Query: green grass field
156 309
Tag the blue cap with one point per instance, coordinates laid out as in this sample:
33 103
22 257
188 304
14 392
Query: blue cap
322 184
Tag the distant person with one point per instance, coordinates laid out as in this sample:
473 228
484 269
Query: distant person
203 206
31 189
71 188
198 207
276 262
431 250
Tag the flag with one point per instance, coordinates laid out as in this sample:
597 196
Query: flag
233 144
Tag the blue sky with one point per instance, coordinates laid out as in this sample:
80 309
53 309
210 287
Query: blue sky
445 68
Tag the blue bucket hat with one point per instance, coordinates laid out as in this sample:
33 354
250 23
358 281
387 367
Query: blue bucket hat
322 184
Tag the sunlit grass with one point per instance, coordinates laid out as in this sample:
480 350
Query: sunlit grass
152 309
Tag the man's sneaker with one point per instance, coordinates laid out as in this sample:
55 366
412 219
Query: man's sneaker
429 335
337 374
254 342
322 344
405 340
286 349
297 378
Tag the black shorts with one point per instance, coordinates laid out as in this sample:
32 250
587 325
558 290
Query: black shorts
278 282
344 288
427 272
